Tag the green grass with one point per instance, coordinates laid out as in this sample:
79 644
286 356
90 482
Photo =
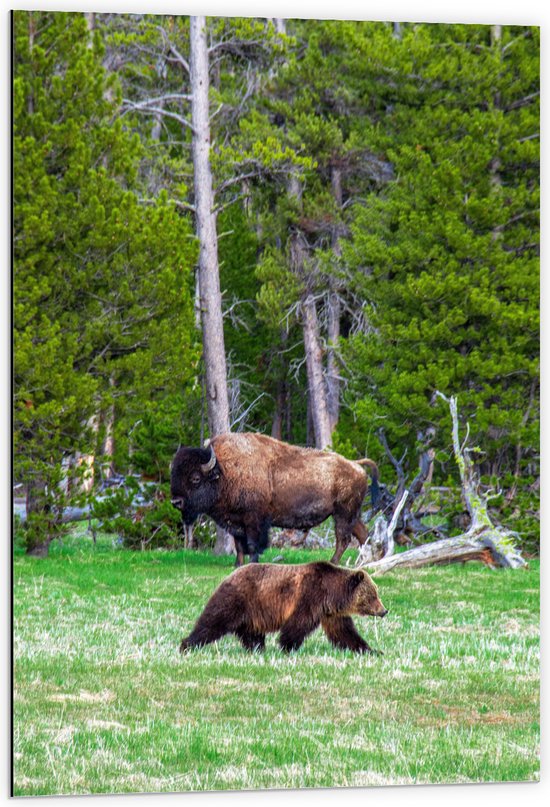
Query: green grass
104 703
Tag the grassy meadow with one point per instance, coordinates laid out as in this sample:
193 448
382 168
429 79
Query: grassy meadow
104 703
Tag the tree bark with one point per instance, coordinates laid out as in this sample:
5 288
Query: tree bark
449 550
495 165
209 278
316 382
315 377
217 400
108 446
334 311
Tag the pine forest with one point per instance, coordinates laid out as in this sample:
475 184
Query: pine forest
321 231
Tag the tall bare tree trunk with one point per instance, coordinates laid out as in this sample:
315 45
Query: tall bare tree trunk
108 443
217 400
333 372
280 25
316 384
495 165
209 278
333 312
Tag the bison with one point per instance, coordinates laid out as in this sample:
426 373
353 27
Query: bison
249 482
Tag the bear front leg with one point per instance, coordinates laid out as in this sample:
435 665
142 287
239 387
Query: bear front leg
341 632
250 640
295 630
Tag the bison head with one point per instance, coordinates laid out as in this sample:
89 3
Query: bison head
194 481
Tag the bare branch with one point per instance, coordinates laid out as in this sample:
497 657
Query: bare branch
522 101
500 227
173 50
143 107
216 112
393 523
177 202
242 416
173 96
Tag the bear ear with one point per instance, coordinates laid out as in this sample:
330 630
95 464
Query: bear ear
355 580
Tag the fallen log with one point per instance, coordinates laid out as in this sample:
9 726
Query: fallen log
483 540
477 544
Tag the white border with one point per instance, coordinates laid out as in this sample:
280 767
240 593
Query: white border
532 12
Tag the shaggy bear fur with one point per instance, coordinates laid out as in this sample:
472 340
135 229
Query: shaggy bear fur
295 600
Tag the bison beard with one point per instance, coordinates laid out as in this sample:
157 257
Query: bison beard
295 600
249 482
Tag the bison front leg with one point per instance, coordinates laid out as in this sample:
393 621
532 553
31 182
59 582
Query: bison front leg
240 549
257 535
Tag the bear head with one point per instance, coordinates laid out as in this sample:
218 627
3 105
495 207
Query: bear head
364 596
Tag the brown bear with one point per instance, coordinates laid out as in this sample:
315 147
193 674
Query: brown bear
295 600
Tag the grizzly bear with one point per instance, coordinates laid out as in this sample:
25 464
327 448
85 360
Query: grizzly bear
259 599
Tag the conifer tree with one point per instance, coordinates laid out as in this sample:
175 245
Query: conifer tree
447 255
101 284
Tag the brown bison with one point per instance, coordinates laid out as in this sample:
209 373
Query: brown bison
249 482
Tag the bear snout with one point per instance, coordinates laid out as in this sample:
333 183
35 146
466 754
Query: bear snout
382 613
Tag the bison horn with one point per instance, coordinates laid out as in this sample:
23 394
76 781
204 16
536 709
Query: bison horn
211 462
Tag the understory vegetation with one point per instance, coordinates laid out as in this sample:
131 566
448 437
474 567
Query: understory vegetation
104 703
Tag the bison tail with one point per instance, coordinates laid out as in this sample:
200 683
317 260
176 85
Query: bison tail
374 488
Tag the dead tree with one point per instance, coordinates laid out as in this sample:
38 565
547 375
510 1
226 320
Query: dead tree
209 276
482 541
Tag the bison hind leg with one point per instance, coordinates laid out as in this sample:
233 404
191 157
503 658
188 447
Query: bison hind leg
342 528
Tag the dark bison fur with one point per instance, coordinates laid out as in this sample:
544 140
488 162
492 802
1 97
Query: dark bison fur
249 482
265 598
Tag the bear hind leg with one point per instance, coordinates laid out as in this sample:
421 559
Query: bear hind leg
341 632
199 637
251 640
214 622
